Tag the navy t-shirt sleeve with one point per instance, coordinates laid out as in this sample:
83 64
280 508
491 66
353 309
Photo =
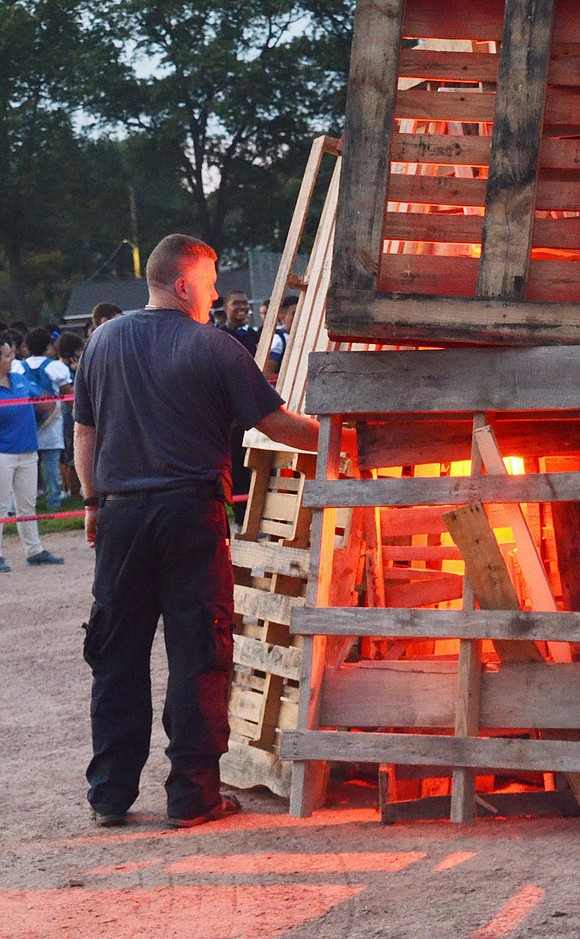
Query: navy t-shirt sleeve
251 396
83 409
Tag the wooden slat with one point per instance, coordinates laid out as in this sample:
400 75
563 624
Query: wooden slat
426 440
267 556
406 319
467 229
514 625
472 106
320 146
309 779
501 753
424 520
515 146
281 506
474 150
459 380
553 281
267 658
433 65
418 594
443 20
417 694
420 553
428 274
447 190
452 490
487 572
368 127
261 605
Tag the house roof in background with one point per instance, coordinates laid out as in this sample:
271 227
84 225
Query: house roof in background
257 281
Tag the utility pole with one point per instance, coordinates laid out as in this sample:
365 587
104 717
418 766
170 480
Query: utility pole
134 232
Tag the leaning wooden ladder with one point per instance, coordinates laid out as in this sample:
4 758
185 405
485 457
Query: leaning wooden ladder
271 556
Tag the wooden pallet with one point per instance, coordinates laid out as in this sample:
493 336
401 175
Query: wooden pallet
495 190
455 696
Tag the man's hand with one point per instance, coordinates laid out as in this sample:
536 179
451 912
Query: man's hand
91 513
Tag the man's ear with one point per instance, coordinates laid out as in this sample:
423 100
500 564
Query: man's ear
179 286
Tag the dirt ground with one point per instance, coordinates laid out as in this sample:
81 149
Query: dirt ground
259 875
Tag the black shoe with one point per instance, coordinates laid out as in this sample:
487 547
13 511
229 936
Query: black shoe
4 567
228 805
44 557
108 820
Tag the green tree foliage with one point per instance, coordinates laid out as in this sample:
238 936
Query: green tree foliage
236 87
45 58
206 109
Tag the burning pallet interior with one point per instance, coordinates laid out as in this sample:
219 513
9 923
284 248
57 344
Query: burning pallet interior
419 612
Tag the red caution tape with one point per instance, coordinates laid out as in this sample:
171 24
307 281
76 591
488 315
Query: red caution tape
10 402
46 515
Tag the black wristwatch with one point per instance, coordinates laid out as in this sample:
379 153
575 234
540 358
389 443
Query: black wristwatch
92 502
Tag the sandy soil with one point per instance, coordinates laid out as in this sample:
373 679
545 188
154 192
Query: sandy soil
256 876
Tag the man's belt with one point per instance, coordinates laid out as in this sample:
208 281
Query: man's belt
207 488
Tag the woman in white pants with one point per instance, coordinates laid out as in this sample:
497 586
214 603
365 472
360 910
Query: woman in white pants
18 459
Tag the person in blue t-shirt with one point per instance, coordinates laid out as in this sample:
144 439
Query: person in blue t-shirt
19 458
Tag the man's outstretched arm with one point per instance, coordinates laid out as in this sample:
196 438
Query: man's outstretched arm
301 432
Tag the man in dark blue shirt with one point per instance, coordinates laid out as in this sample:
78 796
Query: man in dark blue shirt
156 394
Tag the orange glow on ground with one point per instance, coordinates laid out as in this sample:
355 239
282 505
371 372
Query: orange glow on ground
454 859
512 913
182 912
245 822
295 863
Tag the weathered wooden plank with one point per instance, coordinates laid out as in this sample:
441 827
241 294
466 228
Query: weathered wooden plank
452 490
469 105
309 779
501 753
440 20
473 106
432 440
417 594
433 65
245 767
405 694
267 556
267 657
443 20
467 229
424 520
437 624
431 553
368 128
428 274
427 64
504 804
261 605
459 380
552 281
566 517
472 150
405 319
487 572
563 195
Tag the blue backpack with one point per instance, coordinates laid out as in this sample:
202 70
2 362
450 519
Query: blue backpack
42 387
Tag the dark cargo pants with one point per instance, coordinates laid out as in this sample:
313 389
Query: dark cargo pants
160 553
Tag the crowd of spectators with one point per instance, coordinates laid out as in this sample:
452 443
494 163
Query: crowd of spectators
36 440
